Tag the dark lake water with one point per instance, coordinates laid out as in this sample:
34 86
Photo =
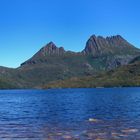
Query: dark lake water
75 114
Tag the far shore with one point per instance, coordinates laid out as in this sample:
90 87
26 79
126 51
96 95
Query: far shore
71 88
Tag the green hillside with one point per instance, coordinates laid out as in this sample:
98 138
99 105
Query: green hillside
124 76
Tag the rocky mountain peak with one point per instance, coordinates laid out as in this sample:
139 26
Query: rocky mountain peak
51 49
118 39
98 45
50 45
115 37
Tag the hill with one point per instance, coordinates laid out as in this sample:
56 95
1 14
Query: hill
123 76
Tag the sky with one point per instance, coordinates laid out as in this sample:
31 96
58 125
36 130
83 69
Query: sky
27 25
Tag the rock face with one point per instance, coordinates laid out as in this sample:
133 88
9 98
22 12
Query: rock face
47 51
98 45
117 61
50 49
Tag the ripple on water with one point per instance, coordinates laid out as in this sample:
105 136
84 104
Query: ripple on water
70 114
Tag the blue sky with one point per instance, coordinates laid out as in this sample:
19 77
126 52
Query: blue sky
27 25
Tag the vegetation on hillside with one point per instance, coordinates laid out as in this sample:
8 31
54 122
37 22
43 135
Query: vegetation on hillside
6 84
52 63
124 76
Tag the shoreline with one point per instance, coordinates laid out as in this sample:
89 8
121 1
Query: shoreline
28 89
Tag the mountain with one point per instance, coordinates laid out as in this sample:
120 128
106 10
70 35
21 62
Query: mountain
48 51
98 46
112 51
53 63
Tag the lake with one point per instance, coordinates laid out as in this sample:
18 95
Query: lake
71 114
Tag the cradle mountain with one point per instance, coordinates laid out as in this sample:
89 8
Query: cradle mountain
51 64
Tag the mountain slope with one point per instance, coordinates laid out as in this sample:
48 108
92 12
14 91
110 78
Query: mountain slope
124 76
53 63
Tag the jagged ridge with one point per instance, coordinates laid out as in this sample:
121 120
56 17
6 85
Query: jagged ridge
53 63
98 45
